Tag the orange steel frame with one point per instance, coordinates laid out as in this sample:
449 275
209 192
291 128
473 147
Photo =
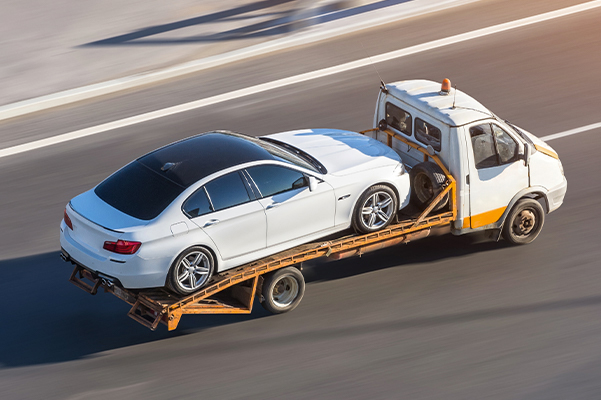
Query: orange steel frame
234 291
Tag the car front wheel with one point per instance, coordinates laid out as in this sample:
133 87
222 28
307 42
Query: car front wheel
375 209
191 270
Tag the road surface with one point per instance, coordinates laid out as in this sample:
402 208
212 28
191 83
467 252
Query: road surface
442 318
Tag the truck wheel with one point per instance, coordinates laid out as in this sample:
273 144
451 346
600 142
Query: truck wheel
375 209
191 270
524 222
426 183
283 290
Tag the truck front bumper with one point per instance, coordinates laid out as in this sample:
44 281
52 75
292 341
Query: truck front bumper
555 195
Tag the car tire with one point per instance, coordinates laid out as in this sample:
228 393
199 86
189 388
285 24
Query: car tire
427 180
282 290
524 222
375 210
191 270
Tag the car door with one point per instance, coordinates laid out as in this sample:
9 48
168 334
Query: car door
293 211
497 172
227 211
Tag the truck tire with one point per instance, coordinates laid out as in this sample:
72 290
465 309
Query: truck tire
191 270
524 222
375 209
282 290
426 183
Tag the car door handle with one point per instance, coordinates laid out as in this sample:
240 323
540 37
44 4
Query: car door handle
272 205
210 222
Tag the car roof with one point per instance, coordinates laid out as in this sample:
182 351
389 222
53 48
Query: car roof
192 159
455 109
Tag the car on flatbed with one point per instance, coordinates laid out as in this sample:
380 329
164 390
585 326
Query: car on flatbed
215 201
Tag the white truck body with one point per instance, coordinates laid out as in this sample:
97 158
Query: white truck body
494 163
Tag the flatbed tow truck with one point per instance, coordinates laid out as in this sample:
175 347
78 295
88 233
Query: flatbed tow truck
453 205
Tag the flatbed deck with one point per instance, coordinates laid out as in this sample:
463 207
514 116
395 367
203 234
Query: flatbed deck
234 291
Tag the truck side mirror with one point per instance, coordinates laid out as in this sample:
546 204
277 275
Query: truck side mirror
524 153
312 183
382 125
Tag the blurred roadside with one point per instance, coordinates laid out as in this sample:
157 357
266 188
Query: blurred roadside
64 45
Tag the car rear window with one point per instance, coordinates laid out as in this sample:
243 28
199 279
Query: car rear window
137 191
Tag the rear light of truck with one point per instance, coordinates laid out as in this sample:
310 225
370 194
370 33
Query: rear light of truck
122 246
67 220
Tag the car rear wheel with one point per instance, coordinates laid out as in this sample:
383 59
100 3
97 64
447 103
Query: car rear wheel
191 270
375 209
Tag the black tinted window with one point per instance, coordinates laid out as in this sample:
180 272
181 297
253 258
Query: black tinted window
138 191
398 119
197 204
227 191
273 179
427 134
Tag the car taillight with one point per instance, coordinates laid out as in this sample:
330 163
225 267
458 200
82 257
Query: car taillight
67 220
122 246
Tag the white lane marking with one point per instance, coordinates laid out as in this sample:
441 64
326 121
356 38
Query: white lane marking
572 132
297 79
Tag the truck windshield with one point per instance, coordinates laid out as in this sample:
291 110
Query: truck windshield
519 132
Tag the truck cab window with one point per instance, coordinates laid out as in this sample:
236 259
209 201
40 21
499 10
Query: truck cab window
427 134
507 147
492 146
398 118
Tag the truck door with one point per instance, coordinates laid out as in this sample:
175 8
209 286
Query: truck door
496 172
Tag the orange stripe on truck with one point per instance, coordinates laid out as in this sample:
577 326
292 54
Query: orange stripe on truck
546 151
483 219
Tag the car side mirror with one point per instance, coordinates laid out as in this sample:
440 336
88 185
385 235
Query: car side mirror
382 125
312 183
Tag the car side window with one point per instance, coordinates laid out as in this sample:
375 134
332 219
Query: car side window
427 133
227 191
274 179
197 204
506 145
398 118
492 146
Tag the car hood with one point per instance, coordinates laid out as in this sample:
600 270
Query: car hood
94 209
341 152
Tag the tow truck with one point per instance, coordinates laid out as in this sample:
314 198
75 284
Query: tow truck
470 170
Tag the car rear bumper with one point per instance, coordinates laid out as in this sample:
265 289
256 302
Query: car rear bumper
130 272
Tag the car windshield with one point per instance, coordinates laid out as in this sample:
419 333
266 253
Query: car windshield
292 154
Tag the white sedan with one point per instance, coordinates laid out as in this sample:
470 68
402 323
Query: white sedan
218 200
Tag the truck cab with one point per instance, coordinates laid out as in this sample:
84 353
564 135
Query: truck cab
500 170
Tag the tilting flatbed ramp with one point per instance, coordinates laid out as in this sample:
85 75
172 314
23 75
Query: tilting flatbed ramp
233 291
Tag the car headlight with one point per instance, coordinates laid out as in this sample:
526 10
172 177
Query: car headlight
399 169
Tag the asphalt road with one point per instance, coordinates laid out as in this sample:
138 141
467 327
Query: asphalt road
442 318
